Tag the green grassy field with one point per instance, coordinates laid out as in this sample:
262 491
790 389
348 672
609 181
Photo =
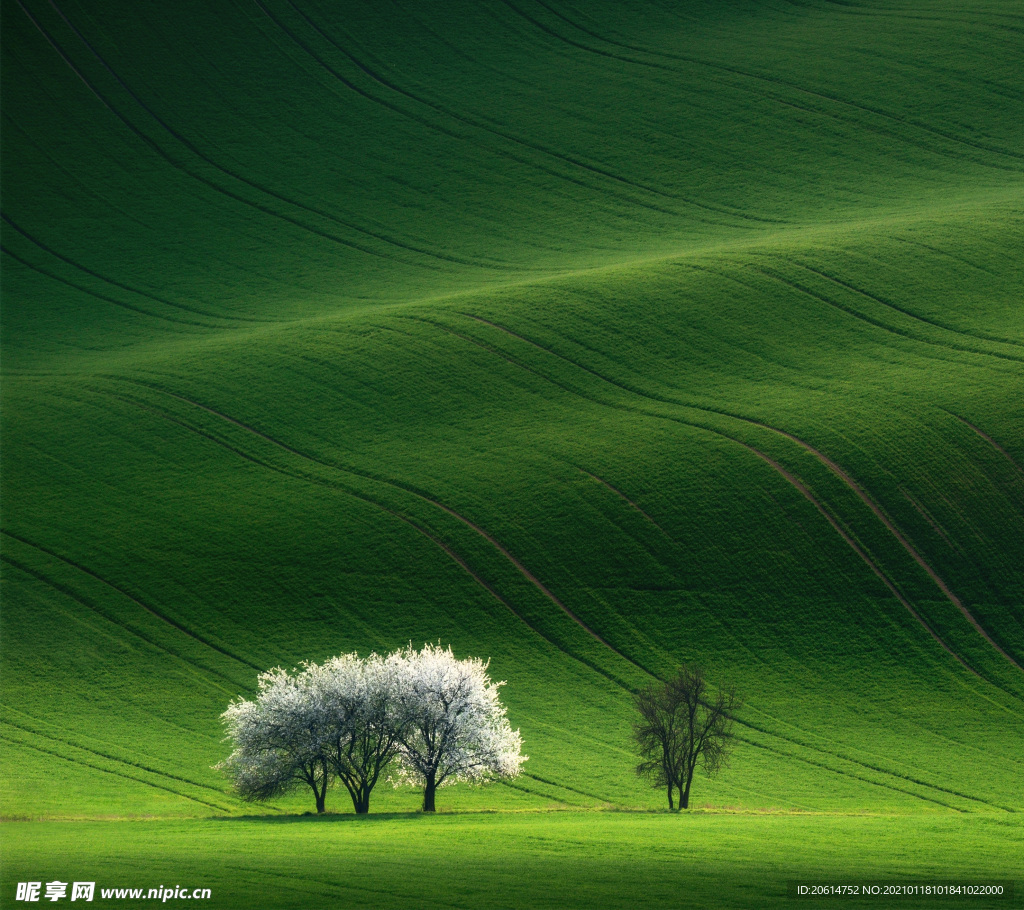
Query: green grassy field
588 337
559 859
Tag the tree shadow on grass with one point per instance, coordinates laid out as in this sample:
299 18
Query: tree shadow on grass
334 817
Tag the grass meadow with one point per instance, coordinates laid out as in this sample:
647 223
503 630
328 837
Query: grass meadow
592 338
531 859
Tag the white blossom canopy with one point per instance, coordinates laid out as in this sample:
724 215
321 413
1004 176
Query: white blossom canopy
279 738
452 725
428 718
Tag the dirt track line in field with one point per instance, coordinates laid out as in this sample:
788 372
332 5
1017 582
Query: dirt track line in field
782 471
480 531
568 390
625 499
240 178
624 407
117 284
789 477
98 296
806 493
931 521
515 785
474 124
995 445
551 783
85 764
803 490
948 255
529 576
552 353
834 468
907 546
906 312
834 99
505 602
198 669
747 80
877 323
151 610
867 780
107 756
217 188
870 767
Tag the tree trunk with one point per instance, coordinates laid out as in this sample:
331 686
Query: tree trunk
363 804
317 783
428 793
684 795
671 806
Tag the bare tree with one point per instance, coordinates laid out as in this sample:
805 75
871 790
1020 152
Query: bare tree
681 725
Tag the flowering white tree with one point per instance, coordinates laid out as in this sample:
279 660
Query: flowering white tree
350 718
451 726
279 740
331 720
360 698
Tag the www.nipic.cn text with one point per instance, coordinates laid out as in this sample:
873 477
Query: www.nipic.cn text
86 891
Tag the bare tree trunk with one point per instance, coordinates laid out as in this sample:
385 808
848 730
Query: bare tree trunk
319 789
428 793
671 806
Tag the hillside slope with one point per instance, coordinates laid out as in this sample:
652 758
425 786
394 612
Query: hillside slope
590 339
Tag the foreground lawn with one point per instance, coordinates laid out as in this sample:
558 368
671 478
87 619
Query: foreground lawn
553 859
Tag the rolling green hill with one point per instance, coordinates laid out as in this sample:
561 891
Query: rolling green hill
590 337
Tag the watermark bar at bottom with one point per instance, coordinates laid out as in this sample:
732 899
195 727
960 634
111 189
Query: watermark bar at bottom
31 892
950 890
